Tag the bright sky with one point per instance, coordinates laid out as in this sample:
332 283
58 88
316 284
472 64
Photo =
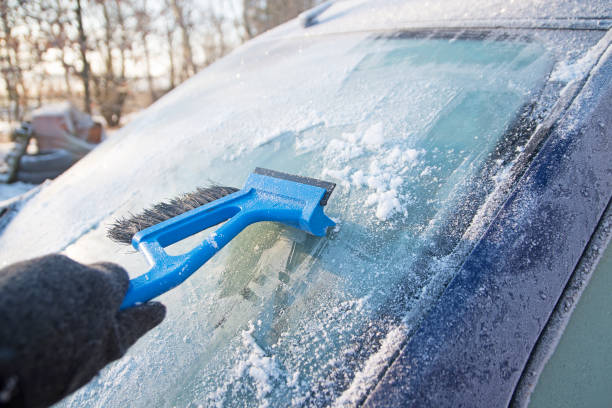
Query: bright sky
157 44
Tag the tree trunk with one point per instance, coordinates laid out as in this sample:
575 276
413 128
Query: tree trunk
66 73
108 37
124 40
9 68
172 73
143 20
145 46
189 67
246 19
85 72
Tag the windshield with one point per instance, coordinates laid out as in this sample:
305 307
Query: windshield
416 130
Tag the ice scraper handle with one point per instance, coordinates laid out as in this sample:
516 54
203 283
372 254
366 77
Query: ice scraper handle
263 198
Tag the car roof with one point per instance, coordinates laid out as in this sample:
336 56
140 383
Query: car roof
350 16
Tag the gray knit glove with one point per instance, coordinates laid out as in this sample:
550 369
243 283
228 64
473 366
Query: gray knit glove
60 324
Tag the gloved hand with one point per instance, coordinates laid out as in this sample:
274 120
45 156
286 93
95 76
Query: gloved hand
60 324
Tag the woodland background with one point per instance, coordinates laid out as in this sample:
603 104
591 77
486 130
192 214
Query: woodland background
114 57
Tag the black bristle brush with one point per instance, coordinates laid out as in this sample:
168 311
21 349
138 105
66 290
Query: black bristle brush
124 229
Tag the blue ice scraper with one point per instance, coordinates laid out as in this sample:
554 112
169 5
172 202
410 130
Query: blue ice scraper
267 195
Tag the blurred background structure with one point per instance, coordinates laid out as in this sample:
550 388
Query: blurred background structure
111 58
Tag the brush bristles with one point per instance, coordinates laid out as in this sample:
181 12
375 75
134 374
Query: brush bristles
124 229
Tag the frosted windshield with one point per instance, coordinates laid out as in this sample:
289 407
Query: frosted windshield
415 132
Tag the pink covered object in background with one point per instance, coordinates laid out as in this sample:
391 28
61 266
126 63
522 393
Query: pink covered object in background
62 126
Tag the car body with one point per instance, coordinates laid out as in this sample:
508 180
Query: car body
471 147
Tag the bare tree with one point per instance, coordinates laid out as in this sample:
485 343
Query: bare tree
11 64
50 18
250 13
143 22
124 43
188 67
37 67
261 15
59 39
110 88
82 43
215 45
170 43
97 42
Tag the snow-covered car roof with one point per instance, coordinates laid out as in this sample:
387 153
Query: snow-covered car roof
452 131
349 16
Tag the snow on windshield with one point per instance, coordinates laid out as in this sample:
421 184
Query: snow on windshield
403 125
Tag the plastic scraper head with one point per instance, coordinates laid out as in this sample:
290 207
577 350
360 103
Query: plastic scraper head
292 200
267 195
328 186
